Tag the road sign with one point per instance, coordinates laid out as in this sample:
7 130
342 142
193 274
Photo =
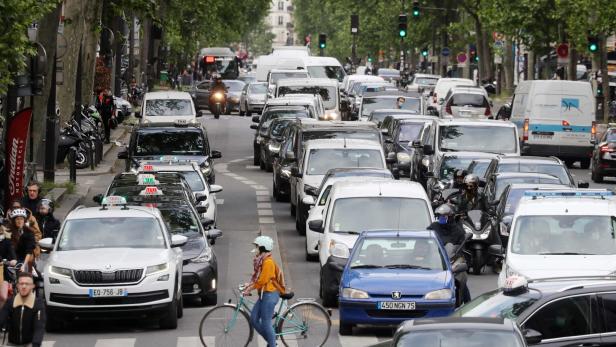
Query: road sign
461 57
498 59
499 43
562 50
445 52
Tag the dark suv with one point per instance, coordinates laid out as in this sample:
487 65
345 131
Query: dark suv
179 141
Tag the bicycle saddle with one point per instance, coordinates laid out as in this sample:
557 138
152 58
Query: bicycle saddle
287 296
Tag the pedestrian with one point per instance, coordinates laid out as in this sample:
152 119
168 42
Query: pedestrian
49 224
32 197
268 280
24 314
105 106
400 102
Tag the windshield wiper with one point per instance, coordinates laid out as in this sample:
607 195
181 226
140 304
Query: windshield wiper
366 266
564 253
407 266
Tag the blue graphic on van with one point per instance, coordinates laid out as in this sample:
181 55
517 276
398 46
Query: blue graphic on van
567 104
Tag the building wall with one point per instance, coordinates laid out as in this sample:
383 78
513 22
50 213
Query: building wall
280 18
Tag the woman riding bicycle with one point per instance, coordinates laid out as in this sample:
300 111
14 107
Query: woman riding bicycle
267 279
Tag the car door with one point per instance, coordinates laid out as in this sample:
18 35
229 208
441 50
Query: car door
202 95
568 321
607 311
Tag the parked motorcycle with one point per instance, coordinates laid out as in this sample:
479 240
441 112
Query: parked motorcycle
73 137
217 103
479 226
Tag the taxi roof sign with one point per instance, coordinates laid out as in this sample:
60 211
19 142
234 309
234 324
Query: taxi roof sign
151 191
113 200
168 158
147 167
147 180
568 193
515 285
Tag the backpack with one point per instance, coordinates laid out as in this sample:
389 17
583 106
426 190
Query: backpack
278 280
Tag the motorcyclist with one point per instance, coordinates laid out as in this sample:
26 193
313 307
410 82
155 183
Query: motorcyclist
49 224
217 84
446 227
471 199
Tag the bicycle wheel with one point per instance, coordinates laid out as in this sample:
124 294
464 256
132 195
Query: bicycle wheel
225 326
304 324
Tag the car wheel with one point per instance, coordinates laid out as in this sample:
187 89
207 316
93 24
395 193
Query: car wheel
171 321
595 176
277 194
477 262
585 163
569 162
269 167
209 299
345 329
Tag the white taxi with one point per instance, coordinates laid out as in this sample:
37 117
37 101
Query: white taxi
168 107
562 233
114 261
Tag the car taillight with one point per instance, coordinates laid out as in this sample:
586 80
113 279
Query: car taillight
448 109
593 131
525 130
566 124
488 112
606 149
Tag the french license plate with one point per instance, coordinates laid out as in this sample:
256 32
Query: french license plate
543 137
105 292
396 305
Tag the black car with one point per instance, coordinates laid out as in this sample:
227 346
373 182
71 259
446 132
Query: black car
446 166
378 116
603 161
262 128
398 147
546 165
271 142
576 311
180 141
459 331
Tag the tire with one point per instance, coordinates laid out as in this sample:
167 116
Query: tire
477 262
309 317
240 335
171 321
569 162
277 194
53 323
269 167
595 177
81 160
242 113
585 163
345 329
181 307
209 299
310 257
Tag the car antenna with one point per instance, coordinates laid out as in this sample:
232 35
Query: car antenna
345 145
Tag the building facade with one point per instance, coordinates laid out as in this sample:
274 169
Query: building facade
280 18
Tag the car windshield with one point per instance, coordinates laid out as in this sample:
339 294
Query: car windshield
550 169
169 107
111 232
373 135
425 81
277 76
472 100
460 337
513 200
320 160
496 304
328 94
410 132
180 220
421 253
194 180
503 182
169 142
413 105
234 86
474 138
564 234
479 168
331 72
450 164
258 88
354 215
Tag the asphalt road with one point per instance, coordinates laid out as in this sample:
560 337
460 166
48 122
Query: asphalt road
245 208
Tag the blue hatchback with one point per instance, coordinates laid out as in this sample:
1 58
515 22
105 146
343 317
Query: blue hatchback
392 276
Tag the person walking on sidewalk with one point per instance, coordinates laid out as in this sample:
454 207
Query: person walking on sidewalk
24 314
105 106
268 280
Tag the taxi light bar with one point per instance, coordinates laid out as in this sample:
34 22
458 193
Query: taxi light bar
113 200
147 167
147 180
151 191
606 149
568 193
515 285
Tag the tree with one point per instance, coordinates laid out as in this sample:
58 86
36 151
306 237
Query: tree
260 39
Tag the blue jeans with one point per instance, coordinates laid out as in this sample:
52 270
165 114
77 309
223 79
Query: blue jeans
261 316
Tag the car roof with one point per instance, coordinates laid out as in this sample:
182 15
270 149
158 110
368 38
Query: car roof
389 188
468 89
341 125
524 174
424 234
529 159
289 70
290 101
167 94
113 212
391 94
308 82
167 126
355 171
415 119
577 205
476 122
342 143
477 155
427 75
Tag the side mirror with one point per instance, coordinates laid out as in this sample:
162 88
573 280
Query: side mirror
98 198
532 337
459 268
178 240
213 234
308 200
428 150
200 197
46 243
255 119
215 154
316 225
207 223
583 184
593 142
201 209
123 154
199 113
254 126
137 114
384 131
295 172
416 144
496 251
312 191
215 188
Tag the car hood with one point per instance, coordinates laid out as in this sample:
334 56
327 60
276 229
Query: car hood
108 258
549 266
407 281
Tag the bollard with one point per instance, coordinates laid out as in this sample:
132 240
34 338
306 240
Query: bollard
91 154
99 151
72 164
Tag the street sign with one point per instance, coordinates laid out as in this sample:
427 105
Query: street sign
499 43
445 52
562 50
461 57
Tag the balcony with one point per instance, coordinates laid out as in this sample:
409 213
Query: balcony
290 8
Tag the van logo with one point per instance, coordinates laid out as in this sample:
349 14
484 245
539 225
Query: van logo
568 103
396 295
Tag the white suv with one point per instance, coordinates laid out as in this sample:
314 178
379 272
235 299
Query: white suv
114 260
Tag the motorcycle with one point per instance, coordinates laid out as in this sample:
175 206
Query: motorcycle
459 267
73 137
218 102
479 226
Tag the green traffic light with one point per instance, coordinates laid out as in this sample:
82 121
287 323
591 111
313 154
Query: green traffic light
322 45
370 59
592 47
424 53
415 13
402 33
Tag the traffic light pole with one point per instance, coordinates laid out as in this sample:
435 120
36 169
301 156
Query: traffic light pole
321 52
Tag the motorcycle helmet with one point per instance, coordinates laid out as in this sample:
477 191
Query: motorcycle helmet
471 181
47 204
443 213
18 212
264 241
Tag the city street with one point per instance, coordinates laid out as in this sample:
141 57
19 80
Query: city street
245 207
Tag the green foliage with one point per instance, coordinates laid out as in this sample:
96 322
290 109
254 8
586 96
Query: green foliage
260 39
15 17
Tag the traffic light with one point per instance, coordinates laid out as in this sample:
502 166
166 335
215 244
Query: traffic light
415 9
322 41
402 25
370 59
599 89
593 44
354 24
473 56
424 52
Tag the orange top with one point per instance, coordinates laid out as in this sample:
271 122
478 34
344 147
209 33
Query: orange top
266 279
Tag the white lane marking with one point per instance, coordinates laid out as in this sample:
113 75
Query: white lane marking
261 198
235 160
266 220
220 201
249 157
115 343
191 341
48 343
265 212
264 205
249 182
358 341
230 174
262 192
241 178
252 167
258 187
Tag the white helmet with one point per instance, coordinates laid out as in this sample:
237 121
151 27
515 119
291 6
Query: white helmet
265 242
18 212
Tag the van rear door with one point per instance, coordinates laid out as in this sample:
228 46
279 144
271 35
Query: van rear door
562 120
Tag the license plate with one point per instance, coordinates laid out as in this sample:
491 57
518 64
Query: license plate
104 292
396 305
545 137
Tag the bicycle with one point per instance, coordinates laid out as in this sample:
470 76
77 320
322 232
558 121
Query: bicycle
304 323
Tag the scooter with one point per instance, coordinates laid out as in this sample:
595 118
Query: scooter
479 226
218 102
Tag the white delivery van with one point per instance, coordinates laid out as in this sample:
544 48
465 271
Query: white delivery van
324 67
168 106
268 62
555 118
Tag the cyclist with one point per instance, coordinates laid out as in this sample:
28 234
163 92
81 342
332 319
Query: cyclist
267 279
6 252
22 237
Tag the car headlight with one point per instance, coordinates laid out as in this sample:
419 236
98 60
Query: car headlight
351 293
156 268
403 158
61 271
441 294
274 147
204 257
332 115
339 250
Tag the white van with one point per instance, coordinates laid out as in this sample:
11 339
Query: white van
168 107
326 88
278 74
268 62
324 67
555 118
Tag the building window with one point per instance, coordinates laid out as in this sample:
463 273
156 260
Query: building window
279 20
280 5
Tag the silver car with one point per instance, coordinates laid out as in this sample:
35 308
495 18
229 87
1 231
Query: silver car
252 98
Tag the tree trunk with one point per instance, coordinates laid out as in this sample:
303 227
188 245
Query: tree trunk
530 73
487 59
91 37
508 66
480 50
73 32
144 49
131 48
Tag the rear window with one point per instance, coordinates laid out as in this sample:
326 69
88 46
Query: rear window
410 132
341 134
550 169
328 94
168 107
472 100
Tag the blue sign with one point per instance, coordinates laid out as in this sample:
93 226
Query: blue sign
568 103
445 51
